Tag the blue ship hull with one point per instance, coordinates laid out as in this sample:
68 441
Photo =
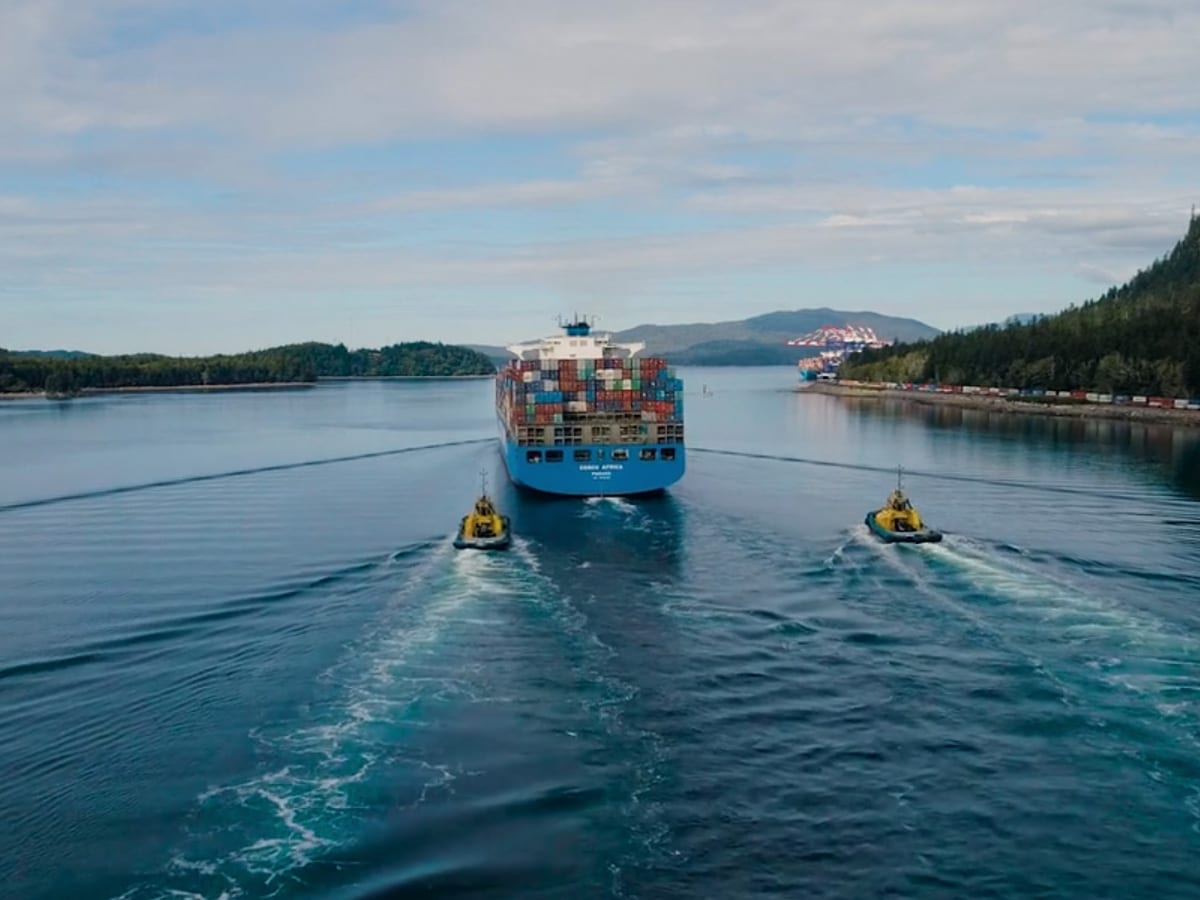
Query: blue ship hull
559 471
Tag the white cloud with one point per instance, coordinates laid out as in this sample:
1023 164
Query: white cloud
533 64
1061 138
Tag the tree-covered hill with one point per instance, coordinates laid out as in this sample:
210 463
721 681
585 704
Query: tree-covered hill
1140 338
415 359
289 364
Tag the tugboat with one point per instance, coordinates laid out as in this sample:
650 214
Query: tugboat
484 528
898 522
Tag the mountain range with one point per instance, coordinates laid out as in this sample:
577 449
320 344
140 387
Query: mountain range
757 341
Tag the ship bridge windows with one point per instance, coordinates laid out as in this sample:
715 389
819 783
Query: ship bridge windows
553 456
568 435
671 433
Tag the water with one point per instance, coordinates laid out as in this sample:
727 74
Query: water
238 657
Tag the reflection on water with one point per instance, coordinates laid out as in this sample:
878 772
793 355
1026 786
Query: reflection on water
1173 450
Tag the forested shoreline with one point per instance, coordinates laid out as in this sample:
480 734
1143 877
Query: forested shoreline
24 373
1141 338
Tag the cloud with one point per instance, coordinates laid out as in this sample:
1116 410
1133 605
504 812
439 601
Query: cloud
459 67
223 149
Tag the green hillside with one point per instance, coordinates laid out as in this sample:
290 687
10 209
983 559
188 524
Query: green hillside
413 359
292 363
1140 338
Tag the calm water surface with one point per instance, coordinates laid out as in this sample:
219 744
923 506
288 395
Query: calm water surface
239 658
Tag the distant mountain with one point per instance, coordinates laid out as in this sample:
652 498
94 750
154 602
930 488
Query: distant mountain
735 353
762 340
758 341
772 329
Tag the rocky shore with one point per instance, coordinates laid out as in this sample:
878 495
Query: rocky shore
1021 406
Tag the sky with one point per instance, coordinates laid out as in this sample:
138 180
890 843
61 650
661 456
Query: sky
197 177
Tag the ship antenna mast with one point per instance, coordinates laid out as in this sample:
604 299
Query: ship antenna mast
483 481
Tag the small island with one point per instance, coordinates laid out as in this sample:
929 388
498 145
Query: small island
31 374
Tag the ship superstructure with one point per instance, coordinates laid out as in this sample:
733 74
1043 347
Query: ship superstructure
582 415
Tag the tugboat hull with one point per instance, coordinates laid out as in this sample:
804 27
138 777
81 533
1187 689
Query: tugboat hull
920 536
501 541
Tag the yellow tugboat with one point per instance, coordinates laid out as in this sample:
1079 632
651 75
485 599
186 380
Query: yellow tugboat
898 522
484 528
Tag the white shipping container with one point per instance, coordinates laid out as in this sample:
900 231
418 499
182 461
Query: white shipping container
1092 397
1138 398
577 406
1104 398
1181 404
527 377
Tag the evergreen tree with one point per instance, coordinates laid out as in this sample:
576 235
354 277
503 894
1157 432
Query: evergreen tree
1140 338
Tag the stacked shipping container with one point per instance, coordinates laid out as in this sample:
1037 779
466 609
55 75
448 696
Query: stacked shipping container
554 391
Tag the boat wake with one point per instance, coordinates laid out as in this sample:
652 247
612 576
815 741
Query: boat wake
1123 667
617 503
317 788
1126 676
466 641
234 473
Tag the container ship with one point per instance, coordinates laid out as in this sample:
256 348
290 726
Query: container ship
833 345
580 415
